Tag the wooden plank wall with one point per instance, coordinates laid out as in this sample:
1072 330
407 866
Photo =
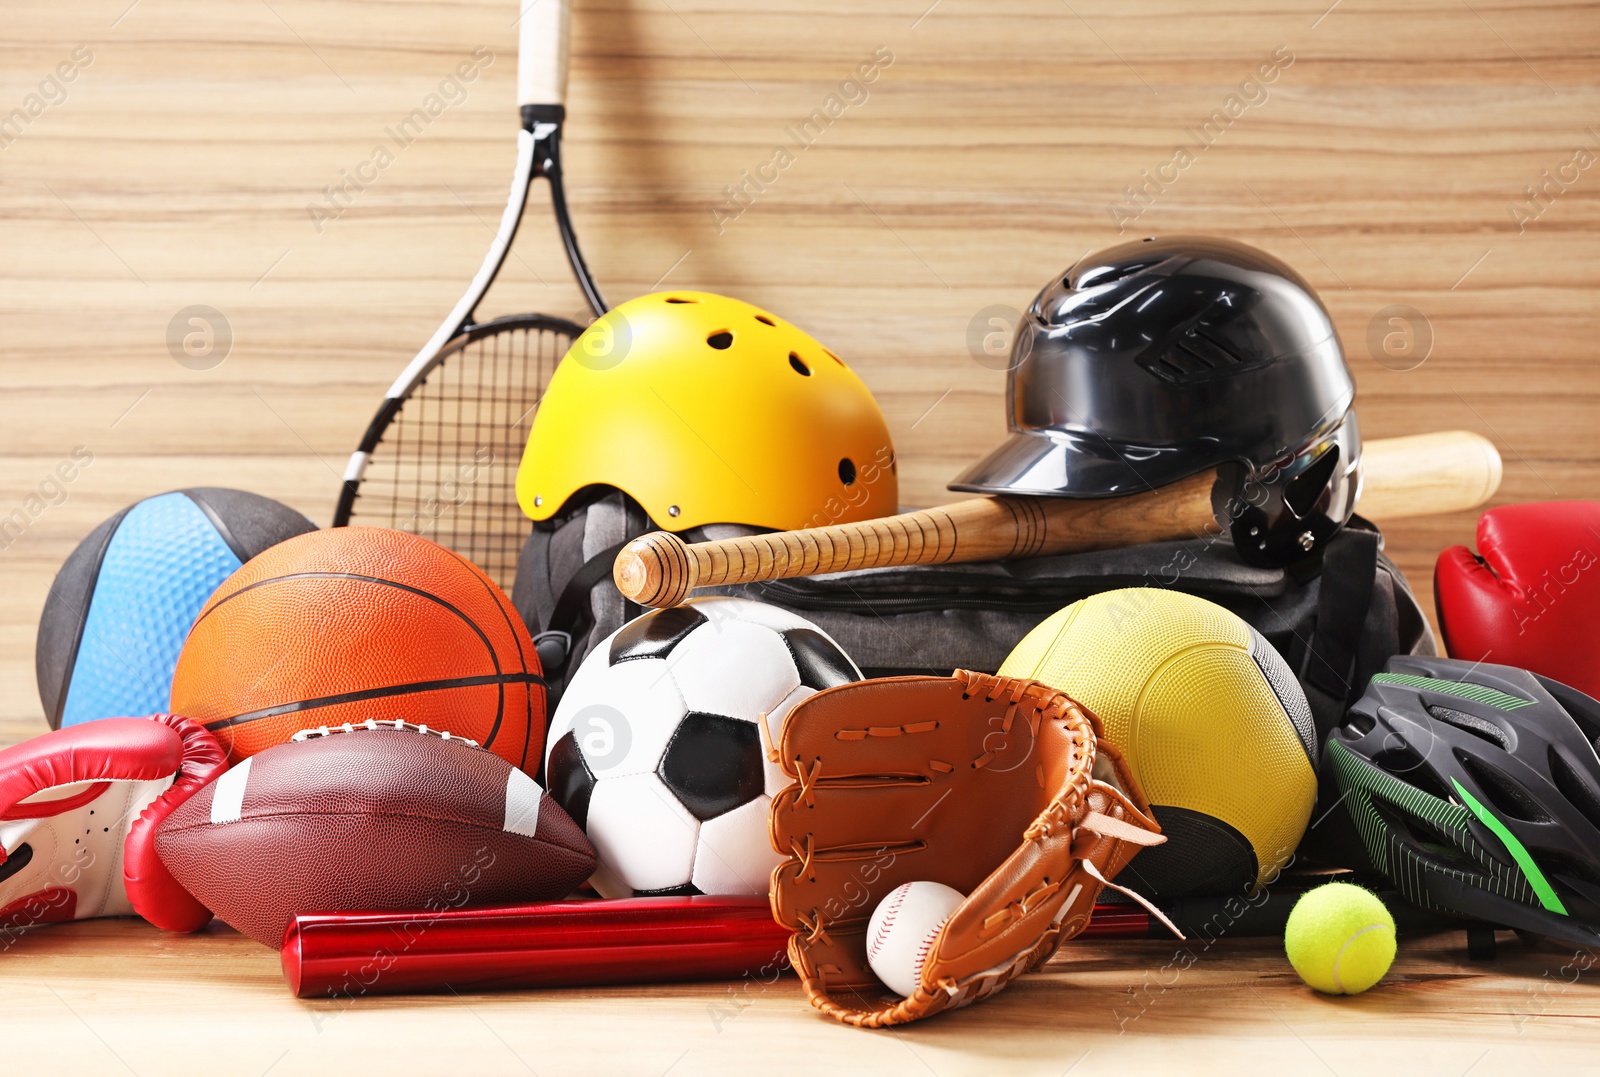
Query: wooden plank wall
1386 158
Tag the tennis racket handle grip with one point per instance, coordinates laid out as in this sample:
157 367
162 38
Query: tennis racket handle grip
660 569
555 944
542 52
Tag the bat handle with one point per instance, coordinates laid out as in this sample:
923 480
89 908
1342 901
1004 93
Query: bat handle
656 570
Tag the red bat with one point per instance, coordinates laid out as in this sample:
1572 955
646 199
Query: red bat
562 944
557 944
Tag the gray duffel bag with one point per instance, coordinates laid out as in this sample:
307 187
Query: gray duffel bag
1335 625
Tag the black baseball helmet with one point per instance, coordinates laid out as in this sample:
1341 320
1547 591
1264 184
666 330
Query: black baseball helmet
1476 790
1159 359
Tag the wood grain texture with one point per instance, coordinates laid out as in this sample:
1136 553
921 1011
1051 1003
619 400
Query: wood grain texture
110 997
660 569
1386 163
1420 475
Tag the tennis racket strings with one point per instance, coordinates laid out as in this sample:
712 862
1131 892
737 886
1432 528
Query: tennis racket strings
445 467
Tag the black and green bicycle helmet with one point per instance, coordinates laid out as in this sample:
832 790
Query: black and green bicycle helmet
1476 790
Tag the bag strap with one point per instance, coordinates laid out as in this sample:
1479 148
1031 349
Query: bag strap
574 612
1349 569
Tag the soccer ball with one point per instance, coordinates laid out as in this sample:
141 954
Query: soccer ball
657 749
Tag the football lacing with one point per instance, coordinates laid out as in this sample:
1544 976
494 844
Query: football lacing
386 723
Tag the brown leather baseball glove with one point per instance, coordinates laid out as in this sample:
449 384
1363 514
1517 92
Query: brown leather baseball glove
998 787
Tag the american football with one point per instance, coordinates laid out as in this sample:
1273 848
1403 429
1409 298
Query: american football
657 749
380 816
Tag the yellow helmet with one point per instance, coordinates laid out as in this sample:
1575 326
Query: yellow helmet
707 410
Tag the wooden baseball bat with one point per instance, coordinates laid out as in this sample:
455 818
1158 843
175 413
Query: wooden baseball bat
1421 475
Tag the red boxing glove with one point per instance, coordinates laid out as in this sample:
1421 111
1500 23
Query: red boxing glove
1533 600
78 812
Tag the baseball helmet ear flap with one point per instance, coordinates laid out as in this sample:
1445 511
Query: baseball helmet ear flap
1310 489
1283 513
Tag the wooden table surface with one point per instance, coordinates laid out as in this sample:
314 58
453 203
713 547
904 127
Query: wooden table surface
116 997
1390 159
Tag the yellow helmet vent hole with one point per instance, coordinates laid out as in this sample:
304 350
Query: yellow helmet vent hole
764 320
847 471
679 299
721 340
799 365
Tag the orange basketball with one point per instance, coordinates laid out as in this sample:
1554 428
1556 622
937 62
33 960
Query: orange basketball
354 623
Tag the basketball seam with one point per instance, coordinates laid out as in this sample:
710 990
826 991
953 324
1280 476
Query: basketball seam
522 658
1278 675
1173 657
384 692
483 637
470 623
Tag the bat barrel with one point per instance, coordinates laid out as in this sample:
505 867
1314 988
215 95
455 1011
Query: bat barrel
559 944
1428 474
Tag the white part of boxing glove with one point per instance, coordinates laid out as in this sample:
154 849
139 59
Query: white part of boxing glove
78 811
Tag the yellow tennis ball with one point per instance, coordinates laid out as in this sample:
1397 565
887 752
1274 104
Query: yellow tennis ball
1340 939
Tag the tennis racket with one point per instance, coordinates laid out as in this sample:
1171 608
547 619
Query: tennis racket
440 457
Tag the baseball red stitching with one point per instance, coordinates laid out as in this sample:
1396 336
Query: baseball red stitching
899 898
922 951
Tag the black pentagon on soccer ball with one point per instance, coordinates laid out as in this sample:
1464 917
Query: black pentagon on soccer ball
820 662
570 780
654 634
713 764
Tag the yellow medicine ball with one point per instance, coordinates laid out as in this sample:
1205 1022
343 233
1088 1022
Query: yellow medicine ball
1215 729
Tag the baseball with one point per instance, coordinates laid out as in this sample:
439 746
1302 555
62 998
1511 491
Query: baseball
902 931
